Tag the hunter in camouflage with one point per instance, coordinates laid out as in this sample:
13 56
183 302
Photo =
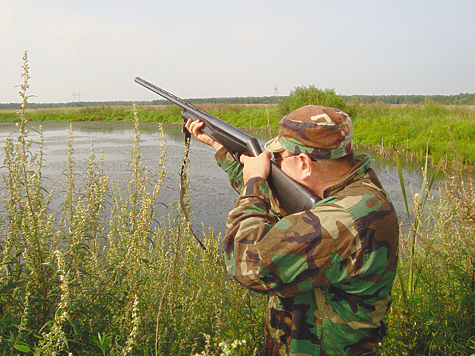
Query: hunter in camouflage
328 271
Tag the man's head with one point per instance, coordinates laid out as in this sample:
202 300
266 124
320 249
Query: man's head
317 141
321 132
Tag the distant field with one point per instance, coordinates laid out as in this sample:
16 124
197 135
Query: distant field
408 127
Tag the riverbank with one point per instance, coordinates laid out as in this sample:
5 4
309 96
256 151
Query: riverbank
413 129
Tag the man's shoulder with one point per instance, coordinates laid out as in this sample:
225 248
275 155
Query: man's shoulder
372 213
359 196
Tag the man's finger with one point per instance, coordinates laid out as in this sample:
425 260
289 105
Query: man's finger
243 157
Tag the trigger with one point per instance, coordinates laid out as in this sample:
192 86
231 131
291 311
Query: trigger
237 157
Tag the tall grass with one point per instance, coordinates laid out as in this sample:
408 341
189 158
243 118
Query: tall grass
105 274
434 299
409 127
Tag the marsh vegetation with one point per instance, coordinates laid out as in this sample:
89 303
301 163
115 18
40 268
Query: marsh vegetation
100 276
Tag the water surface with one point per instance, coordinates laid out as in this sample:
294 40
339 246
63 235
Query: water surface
211 195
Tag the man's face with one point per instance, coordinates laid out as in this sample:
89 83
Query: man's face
280 157
286 160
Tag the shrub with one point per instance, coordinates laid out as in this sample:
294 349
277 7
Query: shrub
302 96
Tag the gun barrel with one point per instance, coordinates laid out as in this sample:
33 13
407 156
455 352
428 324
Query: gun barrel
173 98
293 196
221 131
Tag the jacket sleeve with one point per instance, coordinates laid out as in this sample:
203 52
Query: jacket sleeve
234 171
232 168
313 248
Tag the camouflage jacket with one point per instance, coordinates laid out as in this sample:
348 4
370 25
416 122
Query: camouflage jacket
328 271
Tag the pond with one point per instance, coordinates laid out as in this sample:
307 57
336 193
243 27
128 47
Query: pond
209 190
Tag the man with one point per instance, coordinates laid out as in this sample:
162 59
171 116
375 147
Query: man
328 271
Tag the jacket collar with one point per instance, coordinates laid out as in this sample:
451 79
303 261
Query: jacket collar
361 168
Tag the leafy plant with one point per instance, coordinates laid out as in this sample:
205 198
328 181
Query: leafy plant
310 95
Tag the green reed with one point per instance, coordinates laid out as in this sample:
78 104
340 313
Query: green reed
434 299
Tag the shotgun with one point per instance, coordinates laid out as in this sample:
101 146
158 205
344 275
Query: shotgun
292 196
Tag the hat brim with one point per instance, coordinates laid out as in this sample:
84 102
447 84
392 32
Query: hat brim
273 145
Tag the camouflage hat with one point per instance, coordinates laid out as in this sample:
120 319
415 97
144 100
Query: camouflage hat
319 131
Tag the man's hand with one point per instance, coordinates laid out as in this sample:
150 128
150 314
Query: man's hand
256 166
195 128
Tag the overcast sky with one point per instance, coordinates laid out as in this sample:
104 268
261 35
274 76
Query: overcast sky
221 48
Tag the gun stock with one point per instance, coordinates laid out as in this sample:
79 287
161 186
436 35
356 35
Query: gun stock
293 196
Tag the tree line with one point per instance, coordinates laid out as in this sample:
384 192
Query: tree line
459 99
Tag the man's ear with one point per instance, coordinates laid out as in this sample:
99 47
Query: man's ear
306 166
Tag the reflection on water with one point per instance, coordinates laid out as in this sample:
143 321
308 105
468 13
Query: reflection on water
211 195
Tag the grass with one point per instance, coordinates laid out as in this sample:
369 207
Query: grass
410 127
105 275
102 275
434 297
407 127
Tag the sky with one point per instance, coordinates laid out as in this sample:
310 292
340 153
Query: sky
223 48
